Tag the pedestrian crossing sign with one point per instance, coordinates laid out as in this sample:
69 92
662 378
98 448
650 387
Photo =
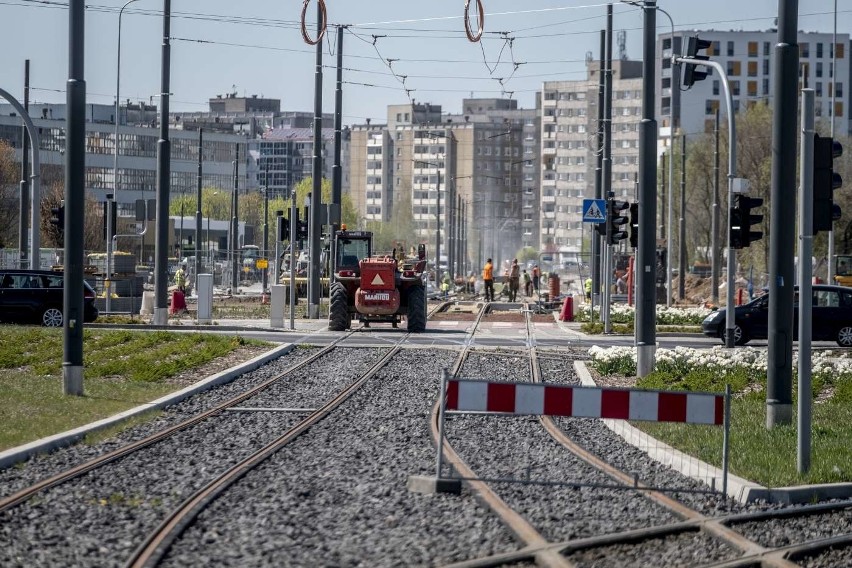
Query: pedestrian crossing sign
594 211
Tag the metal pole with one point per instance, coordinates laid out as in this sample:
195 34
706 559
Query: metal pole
830 275
596 240
235 225
265 282
441 417
726 446
606 171
663 159
314 228
161 260
669 217
779 386
646 339
336 171
198 207
806 247
715 250
23 225
180 231
294 215
438 232
75 196
276 269
681 273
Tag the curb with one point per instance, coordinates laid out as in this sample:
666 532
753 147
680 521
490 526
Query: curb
45 445
740 489
190 327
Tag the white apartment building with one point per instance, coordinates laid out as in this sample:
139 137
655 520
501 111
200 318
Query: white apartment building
569 153
749 58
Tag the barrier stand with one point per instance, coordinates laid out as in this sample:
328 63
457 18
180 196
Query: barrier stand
437 484
535 399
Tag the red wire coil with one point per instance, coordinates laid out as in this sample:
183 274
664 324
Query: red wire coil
480 19
323 20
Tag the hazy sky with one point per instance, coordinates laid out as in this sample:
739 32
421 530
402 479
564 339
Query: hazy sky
255 47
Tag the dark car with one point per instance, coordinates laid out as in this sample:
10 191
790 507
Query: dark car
36 296
831 317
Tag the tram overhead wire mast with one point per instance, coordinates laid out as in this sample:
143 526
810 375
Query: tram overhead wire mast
480 20
323 22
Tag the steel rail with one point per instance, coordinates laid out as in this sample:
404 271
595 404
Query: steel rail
20 496
158 542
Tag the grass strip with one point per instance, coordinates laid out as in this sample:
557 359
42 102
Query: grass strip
122 369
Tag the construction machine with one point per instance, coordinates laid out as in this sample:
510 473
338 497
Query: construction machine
375 288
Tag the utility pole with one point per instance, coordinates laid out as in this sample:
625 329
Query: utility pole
806 247
681 278
23 226
646 333
161 256
663 235
830 275
75 197
779 374
314 228
335 217
264 284
596 240
198 207
716 258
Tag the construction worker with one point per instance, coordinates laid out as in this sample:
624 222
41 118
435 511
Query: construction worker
514 280
445 285
488 278
180 277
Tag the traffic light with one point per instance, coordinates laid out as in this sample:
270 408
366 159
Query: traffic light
112 210
634 225
615 220
825 182
57 217
600 228
694 73
284 229
302 226
742 219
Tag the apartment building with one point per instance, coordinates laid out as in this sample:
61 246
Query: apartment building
569 151
749 59
487 157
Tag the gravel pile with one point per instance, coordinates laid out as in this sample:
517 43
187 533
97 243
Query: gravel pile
100 518
337 496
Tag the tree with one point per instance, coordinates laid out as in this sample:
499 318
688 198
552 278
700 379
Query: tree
93 237
9 196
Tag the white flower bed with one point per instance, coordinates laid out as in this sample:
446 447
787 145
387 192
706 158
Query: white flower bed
622 313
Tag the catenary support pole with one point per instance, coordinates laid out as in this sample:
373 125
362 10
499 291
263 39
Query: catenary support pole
265 282
294 255
830 274
715 247
198 183
806 247
779 385
75 200
681 263
161 255
235 224
596 238
337 171
314 228
24 208
606 172
646 333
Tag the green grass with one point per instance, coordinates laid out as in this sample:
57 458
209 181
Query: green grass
767 457
597 327
122 369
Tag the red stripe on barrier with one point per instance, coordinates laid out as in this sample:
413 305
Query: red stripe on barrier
615 404
671 407
501 397
558 400
719 417
452 395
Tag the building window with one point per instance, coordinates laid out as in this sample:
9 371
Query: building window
752 88
716 88
838 109
667 63
819 67
752 49
766 87
733 68
819 50
840 48
839 88
667 43
714 49
819 88
766 67
752 68
730 49
804 50
666 83
735 88
766 49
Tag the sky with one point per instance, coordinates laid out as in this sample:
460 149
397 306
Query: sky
393 51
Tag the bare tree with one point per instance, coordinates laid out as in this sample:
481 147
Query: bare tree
9 196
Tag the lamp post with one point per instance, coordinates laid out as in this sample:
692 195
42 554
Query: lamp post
115 154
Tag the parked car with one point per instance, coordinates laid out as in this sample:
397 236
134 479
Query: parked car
831 317
36 296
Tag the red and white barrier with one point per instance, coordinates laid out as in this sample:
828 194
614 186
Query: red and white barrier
587 402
